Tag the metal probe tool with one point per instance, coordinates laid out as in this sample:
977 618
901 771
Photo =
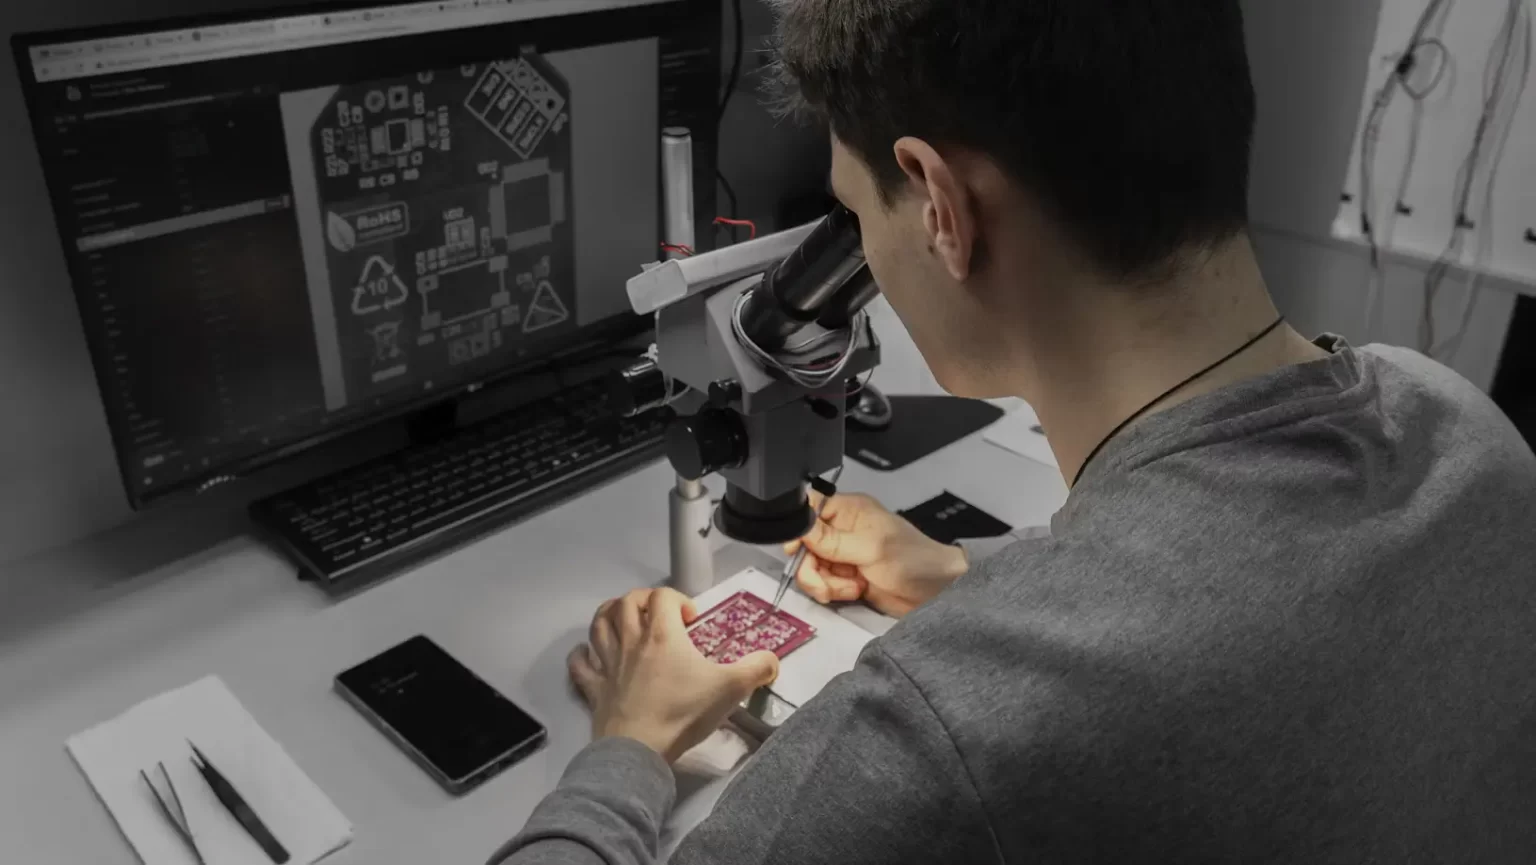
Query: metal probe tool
793 566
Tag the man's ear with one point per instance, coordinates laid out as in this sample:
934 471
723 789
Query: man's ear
949 212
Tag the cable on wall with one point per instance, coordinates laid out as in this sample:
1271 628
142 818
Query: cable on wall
1489 143
1421 51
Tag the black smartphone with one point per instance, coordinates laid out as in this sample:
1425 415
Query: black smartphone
457 727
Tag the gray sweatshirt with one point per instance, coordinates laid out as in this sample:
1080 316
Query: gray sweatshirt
1291 621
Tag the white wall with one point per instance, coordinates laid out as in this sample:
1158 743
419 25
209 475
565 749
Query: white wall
1309 61
58 476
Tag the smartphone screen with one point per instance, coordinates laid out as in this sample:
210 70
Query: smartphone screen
454 724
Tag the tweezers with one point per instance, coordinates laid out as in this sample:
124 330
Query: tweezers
792 568
238 808
173 811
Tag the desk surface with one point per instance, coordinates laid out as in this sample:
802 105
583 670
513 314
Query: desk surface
89 631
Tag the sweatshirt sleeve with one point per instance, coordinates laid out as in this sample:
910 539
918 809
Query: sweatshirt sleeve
607 810
865 773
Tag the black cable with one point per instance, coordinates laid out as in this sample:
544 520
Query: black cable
1171 391
734 80
731 84
1490 182
1466 177
1406 63
730 193
1421 94
735 210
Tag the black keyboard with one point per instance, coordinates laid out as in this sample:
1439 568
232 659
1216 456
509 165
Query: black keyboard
367 523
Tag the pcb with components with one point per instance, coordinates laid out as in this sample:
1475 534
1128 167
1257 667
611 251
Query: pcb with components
745 623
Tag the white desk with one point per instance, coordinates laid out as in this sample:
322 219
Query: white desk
89 631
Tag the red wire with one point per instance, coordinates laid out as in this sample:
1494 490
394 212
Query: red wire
746 223
677 247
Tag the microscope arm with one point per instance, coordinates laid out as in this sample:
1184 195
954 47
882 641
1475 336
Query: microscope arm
762 364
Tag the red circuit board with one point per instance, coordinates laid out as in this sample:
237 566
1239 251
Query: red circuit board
745 623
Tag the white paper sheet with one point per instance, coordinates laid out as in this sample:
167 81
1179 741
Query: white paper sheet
298 813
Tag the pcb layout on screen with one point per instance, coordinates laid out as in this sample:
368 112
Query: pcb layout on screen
440 216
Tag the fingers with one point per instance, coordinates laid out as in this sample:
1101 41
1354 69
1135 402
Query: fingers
833 544
844 509
583 674
756 670
669 609
845 590
831 583
602 637
811 582
629 616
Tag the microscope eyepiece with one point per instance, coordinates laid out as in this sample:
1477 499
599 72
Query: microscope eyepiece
799 289
858 292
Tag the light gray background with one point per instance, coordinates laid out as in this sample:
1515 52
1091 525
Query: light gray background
58 481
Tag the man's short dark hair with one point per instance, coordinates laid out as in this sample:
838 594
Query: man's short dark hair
1130 121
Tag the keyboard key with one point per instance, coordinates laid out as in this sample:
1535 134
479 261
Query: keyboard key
341 542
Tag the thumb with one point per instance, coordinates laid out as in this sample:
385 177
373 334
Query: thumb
755 671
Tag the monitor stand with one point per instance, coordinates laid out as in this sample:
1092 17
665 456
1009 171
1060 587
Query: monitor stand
433 423
888 433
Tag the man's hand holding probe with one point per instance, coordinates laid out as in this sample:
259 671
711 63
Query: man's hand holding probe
859 550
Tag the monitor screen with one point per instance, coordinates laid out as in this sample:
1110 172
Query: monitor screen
280 229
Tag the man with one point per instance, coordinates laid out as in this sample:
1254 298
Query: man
1287 613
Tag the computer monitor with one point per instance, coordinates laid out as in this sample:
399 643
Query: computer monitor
283 227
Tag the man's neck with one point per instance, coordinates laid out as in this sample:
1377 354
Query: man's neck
1115 354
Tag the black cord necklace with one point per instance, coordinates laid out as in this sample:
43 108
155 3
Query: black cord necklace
1170 392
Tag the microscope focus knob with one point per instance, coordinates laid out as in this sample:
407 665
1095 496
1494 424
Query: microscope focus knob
705 443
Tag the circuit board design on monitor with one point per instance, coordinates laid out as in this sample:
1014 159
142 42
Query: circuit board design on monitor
445 198
744 624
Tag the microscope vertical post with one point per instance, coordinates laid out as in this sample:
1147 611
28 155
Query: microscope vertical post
689 509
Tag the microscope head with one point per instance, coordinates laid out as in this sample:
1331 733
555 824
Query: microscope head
759 347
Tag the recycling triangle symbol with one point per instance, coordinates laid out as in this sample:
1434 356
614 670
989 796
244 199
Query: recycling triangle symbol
547 310
379 288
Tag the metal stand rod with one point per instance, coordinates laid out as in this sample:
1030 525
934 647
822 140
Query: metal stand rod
693 561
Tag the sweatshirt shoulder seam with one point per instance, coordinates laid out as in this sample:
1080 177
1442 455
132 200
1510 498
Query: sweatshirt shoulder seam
997 850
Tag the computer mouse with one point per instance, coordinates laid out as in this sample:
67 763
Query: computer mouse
871 410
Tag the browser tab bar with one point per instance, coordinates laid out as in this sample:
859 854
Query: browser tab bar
66 61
